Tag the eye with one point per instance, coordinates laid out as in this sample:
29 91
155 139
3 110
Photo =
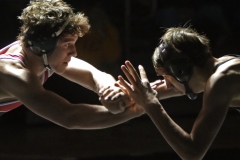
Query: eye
67 44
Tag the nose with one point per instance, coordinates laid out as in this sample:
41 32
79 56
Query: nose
73 51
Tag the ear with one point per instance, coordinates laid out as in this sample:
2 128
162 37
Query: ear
181 69
43 44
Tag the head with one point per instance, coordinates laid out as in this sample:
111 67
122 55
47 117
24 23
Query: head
180 50
45 21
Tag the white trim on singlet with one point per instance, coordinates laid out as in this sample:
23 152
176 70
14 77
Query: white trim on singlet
7 103
11 57
10 45
43 76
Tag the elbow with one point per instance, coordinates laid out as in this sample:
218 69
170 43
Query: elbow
71 123
79 123
193 155
68 126
71 126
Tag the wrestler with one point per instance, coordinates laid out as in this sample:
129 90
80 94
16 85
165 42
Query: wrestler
184 60
46 46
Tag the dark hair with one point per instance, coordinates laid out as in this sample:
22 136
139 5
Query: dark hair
186 42
40 15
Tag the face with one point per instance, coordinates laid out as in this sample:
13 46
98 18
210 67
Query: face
61 56
171 82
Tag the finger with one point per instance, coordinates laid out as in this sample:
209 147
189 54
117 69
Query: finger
153 86
117 96
157 82
112 92
102 90
128 75
143 73
123 89
110 95
124 84
120 84
133 71
107 92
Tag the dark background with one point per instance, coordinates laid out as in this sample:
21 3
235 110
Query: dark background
122 29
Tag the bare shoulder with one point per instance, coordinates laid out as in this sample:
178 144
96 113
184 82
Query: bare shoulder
11 68
223 86
14 77
228 73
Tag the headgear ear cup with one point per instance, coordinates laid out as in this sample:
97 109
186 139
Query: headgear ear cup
181 69
42 44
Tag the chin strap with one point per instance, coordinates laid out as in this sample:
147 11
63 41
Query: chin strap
189 92
45 61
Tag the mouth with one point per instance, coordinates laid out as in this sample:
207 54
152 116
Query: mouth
66 62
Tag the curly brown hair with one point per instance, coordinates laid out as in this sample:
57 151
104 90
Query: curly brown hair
43 14
184 41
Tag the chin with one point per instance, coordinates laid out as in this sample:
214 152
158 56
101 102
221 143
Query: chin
59 70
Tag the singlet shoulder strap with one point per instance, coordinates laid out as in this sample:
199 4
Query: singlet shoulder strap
234 55
3 50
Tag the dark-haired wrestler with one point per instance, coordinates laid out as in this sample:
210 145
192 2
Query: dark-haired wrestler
184 60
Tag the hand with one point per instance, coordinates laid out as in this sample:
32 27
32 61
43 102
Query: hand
139 89
114 99
156 83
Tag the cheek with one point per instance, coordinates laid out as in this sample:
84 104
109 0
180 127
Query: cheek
177 85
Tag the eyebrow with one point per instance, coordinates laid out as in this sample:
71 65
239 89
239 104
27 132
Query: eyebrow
68 39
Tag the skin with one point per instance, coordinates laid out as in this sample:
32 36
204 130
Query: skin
221 91
22 83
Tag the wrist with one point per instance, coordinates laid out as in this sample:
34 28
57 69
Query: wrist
137 110
153 105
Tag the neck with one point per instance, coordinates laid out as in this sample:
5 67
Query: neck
33 62
201 75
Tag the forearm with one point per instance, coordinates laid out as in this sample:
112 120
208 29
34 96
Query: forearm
162 91
176 137
88 116
103 79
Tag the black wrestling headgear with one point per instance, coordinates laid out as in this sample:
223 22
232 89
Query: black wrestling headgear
43 42
178 66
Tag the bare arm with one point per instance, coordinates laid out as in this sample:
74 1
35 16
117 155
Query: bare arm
87 75
191 145
26 87
162 91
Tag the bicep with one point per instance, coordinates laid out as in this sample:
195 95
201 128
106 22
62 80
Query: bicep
81 72
87 75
